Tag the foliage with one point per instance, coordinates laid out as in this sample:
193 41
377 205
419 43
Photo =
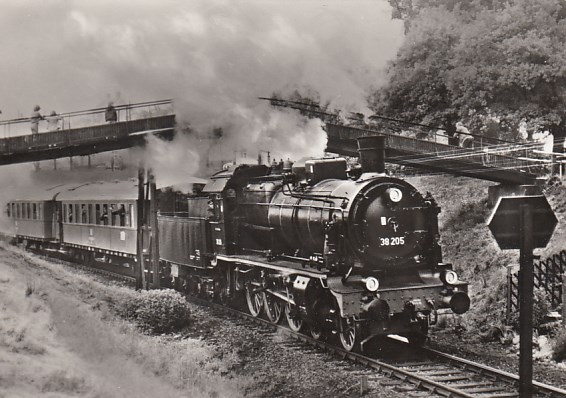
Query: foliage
541 308
480 61
559 345
469 215
156 311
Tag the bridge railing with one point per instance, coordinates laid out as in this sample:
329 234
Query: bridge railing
433 141
84 135
493 156
86 118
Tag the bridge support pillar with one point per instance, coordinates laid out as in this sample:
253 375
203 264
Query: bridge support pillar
494 192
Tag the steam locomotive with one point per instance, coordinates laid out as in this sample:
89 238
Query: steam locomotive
337 252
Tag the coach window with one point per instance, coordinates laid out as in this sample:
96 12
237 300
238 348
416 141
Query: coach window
120 212
104 214
25 210
84 215
70 214
91 216
113 215
20 210
34 211
97 214
40 215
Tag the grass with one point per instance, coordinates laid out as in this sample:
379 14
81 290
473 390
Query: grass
77 322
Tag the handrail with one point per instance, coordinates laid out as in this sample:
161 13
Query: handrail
93 111
302 106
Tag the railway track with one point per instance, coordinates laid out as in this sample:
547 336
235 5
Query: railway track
420 370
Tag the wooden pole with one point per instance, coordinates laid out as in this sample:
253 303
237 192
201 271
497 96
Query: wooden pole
140 274
526 303
154 230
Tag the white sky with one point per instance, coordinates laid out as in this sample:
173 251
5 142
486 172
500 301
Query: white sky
210 56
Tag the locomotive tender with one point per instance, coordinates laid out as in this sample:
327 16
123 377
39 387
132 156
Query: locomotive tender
334 251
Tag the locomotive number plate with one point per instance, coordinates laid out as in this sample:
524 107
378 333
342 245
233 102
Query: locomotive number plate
392 241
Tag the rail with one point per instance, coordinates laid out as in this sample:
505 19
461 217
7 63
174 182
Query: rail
479 380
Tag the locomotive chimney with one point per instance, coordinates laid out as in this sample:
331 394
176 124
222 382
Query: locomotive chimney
372 153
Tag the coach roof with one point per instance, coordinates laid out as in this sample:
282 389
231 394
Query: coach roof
102 191
36 194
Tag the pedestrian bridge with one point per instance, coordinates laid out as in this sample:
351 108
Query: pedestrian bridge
484 158
500 163
89 134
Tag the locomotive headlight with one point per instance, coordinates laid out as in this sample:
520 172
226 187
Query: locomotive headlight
395 194
372 284
449 277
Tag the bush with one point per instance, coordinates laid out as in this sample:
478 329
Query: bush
541 308
157 311
559 345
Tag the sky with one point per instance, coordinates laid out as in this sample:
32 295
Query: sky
213 58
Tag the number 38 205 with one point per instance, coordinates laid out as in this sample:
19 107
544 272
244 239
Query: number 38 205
393 241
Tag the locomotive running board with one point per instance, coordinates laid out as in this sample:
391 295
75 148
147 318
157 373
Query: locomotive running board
286 267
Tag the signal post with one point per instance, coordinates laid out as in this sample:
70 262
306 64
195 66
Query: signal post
524 223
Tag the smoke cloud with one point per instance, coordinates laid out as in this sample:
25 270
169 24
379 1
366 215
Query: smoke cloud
214 58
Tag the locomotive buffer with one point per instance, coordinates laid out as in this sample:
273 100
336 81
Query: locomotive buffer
524 223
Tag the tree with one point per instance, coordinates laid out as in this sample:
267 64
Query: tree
469 59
